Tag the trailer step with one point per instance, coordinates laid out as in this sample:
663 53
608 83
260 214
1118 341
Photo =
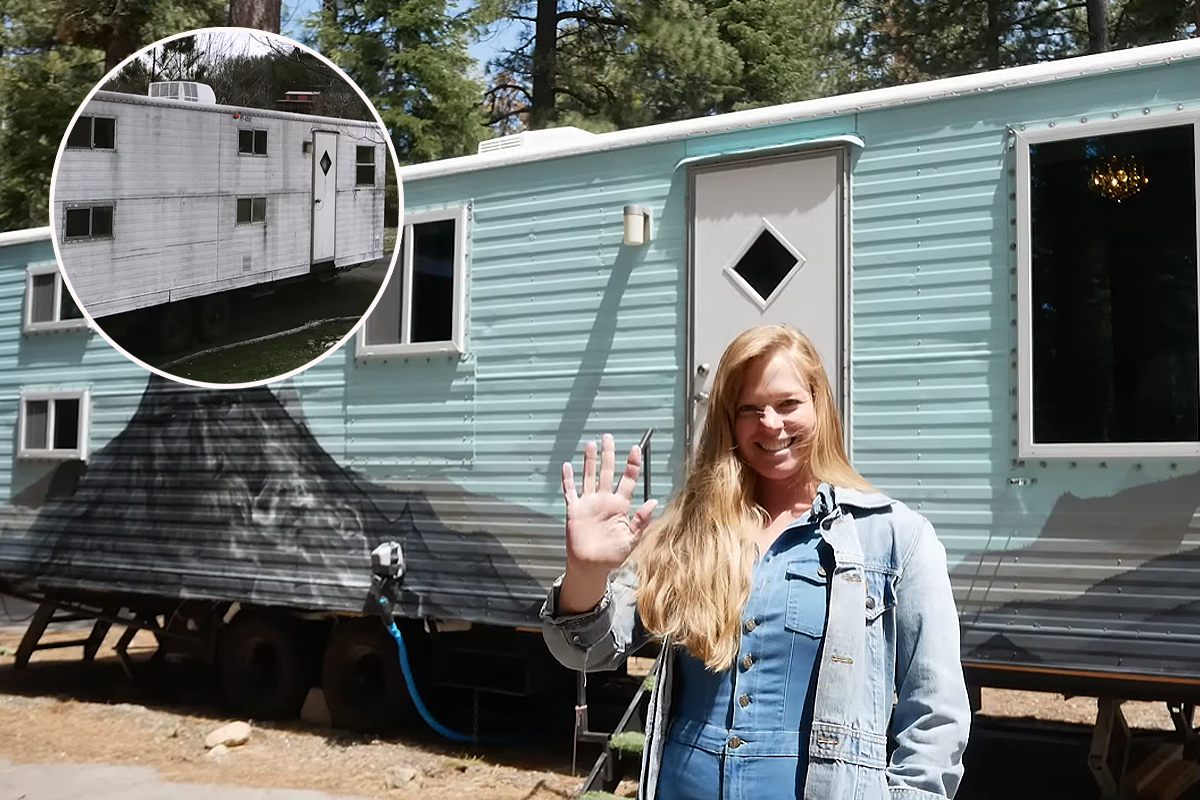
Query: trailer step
43 618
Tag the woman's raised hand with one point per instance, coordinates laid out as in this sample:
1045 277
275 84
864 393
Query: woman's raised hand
600 531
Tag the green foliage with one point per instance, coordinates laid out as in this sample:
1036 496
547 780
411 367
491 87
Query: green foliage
627 741
411 59
50 58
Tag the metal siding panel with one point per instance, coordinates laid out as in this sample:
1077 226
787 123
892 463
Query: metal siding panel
1068 564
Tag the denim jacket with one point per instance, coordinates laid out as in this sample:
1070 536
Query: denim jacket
891 632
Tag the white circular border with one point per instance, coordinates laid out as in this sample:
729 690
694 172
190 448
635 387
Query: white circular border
54 233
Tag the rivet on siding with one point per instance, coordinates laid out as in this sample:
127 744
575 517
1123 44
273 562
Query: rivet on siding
1073 465
1022 127
1115 115
1083 119
1179 107
1174 466
1145 111
1042 464
1012 246
1051 124
1103 465
1137 467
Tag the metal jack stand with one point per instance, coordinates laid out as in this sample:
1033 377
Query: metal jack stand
606 773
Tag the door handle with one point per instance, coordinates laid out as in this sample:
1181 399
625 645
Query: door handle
700 397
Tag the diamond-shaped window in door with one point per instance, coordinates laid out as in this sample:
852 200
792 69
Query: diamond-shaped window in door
764 265
326 162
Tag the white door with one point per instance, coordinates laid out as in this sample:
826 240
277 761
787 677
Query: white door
766 248
324 194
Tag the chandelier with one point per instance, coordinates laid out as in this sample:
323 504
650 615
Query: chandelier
1118 178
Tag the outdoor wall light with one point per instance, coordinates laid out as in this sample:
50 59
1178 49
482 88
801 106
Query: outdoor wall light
637 225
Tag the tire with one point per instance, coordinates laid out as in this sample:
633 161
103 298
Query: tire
174 327
215 317
360 675
263 669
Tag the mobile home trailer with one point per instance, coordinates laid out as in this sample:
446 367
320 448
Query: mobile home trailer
170 201
1000 271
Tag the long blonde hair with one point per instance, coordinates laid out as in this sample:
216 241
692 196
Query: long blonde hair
694 564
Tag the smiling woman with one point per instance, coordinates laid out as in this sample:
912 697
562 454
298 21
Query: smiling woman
794 602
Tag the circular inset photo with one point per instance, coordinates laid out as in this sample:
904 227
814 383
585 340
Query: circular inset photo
224 208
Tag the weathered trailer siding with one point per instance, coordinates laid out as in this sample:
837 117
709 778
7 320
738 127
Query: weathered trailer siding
174 178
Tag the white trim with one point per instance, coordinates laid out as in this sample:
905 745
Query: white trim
456 345
28 325
25 236
1030 75
79 453
1049 132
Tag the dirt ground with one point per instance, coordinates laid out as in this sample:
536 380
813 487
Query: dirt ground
62 711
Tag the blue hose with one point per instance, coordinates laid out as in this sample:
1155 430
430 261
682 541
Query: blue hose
453 736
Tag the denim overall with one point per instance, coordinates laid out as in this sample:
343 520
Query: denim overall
888 660
742 733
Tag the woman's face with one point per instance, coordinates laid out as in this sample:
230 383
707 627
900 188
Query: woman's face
773 417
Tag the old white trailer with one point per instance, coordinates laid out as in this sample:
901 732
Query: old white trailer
170 201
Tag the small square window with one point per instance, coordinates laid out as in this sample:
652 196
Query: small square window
81 133
252 142
53 424
48 304
93 133
88 222
251 210
365 166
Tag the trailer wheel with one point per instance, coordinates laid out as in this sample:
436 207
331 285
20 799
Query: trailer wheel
174 326
215 317
361 677
263 669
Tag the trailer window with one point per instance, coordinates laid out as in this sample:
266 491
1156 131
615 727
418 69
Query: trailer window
53 424
252 142
251 210
48 304
96 133
1113 348
422 307
87 222
365 166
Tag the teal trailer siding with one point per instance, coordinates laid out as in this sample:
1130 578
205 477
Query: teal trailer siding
1075 565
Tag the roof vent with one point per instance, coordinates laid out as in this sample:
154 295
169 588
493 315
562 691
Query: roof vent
539 140
186 91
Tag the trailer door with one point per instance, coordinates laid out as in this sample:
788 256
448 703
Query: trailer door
766 246
324 194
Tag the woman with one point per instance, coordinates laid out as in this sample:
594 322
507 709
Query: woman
795 603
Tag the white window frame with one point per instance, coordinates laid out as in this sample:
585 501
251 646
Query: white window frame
1079 128
79 453
28 325
374 165
461 214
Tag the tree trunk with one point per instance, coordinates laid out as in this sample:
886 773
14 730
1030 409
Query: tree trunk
545 46
1097 17
991 47
261 15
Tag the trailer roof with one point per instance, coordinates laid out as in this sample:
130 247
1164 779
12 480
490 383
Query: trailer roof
162 102
1030 75
24 236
